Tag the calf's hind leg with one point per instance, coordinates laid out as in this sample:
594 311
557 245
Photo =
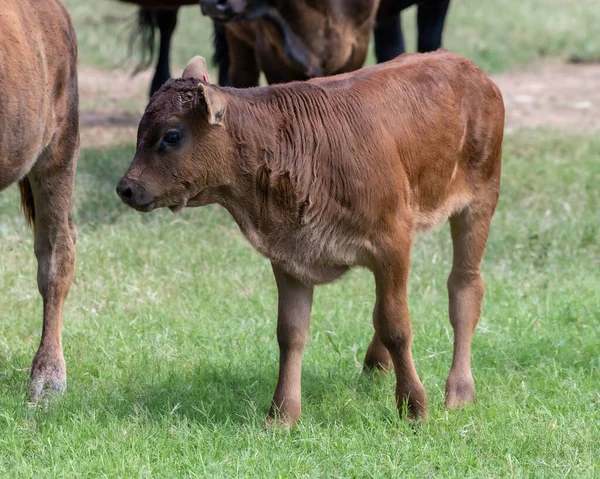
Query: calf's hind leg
55 237
392 325
470 230
293 322
377 356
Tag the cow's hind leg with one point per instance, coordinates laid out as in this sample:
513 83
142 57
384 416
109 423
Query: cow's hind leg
430 22
389 41
293 321
166 21
470 230
55 236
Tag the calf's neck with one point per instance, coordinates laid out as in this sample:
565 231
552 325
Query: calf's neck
333 173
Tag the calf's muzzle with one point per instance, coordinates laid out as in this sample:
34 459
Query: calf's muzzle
135 195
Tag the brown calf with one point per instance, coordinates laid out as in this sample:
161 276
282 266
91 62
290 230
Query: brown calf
324 175
39 139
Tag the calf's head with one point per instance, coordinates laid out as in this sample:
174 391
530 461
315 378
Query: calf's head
180 144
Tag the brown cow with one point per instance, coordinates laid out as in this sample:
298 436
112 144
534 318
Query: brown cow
39 140
297 40
335 172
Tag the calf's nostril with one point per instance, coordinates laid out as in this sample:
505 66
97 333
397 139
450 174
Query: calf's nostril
124 190
126 193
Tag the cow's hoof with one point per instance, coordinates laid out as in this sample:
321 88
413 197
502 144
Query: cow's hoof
460 391
48 376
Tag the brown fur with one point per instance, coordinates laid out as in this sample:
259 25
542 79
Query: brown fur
339 172
39 138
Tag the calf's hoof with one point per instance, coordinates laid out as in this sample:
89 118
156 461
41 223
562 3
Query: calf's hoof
383 366
377 359
412 403
460 390
48 376
285 415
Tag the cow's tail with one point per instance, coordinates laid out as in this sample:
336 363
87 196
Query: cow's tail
144 34
27 201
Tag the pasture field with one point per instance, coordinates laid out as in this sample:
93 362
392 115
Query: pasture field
170 325
170 343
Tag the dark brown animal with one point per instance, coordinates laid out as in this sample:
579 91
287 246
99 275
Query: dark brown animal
299 39
339 172
39 140
291 39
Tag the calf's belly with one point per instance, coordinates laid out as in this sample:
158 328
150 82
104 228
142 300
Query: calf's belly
313 274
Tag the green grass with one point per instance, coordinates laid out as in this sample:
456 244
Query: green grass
497 35
172 357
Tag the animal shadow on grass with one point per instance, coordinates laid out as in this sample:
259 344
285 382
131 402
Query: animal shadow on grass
214 395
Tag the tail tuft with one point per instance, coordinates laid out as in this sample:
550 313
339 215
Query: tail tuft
144 35
27 201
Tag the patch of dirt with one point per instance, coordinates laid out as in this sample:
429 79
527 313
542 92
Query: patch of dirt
557 95
112 103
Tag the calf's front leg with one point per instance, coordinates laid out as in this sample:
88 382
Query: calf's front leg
293 321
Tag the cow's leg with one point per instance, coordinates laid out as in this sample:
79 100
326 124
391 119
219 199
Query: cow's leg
295 302
243 67
389 42
221 55
465 290
55 237
430 23
377 357
392 323
166 21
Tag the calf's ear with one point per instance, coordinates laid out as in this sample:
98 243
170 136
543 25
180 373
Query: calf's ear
214 101
196 68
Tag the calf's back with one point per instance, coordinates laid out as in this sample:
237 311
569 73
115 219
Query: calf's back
417 138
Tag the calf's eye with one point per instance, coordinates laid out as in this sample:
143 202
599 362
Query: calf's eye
171 138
